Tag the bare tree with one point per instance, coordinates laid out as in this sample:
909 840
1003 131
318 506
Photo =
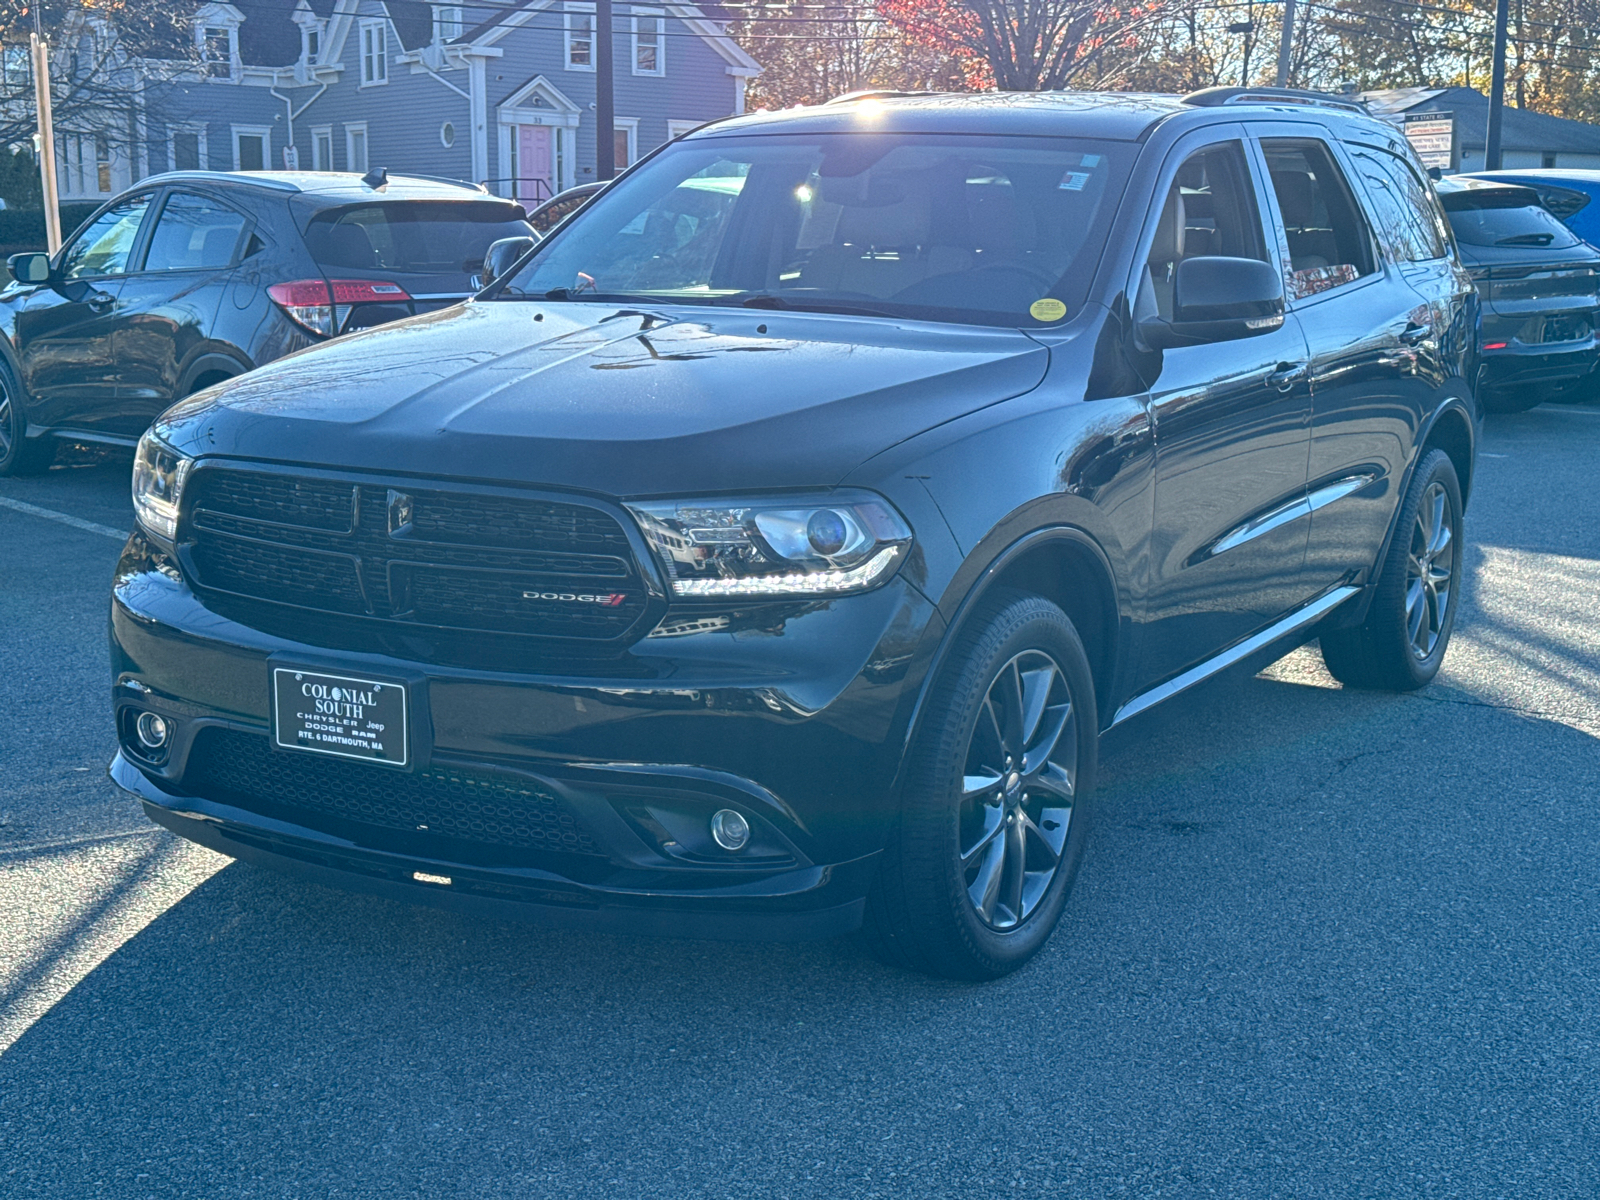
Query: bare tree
101 52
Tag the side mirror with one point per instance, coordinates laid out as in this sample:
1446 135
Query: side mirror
1218 300
503 255
29 268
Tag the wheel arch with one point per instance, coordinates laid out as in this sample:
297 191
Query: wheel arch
212 366
1451 431
1068 567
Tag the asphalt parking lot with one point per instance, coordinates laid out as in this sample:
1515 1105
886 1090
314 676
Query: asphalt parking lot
1326 944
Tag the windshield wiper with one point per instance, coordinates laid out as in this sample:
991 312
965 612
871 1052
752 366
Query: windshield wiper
1527 239
770 300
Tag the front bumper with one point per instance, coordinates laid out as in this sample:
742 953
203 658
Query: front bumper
799 722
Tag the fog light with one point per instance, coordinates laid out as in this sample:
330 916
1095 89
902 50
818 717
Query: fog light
729 829
153 730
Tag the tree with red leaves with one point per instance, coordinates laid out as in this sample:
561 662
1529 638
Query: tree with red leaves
1024 45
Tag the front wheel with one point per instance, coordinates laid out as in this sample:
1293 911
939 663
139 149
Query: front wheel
996 807
19 456
1401 644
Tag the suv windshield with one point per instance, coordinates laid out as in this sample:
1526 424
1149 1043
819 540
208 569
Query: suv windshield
419 237
935 227
1511 217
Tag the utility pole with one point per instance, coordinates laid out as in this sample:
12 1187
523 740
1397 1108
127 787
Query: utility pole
1497 88
47 134
1285 43
605 134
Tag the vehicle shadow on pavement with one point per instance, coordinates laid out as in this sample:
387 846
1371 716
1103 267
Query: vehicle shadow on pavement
1323 941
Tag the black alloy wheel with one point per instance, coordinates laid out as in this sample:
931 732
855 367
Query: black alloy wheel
1430 572
1018 790
1402 642
995 807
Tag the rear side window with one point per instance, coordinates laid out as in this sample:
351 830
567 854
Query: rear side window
416 237
1504 217
1403 205
1562 202
1327 235
193 234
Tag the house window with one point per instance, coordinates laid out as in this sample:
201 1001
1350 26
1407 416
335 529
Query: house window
676 129
649 42
322 148
578 21
310 41
374 53
447 23
18 71
355 147
218 48
251 145
185 149
625 142
102 163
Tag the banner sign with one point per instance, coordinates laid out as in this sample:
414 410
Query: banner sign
1432 136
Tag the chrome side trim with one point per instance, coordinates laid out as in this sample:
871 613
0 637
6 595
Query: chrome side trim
1338 490
1302 506
1314 611
1265 523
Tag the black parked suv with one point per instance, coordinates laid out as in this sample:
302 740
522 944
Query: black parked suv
1540 283
194 277
767 552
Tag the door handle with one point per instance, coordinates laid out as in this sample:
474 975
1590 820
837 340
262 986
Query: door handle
1414 335
100 301
1287 375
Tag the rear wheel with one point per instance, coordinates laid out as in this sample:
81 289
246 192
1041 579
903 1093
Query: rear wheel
996 806
1402 642
19 455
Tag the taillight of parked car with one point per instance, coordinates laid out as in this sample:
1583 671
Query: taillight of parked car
321 305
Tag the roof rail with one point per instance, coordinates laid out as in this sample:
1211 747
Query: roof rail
877 94
1217 96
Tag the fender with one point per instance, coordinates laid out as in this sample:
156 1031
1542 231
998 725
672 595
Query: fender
975 592
1355 612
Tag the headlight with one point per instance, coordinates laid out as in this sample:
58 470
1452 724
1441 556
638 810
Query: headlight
775 546
158 475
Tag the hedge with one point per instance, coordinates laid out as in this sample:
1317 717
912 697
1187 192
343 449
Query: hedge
24 227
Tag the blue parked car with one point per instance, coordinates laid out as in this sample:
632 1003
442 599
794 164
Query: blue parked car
1568 194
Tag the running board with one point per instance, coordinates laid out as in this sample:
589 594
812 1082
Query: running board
1314 611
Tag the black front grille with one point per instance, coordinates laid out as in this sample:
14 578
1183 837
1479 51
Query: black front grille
467 806
414 555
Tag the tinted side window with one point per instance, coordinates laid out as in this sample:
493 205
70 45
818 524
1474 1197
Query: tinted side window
1210 209
1328 241
193 234
1402 204
103 248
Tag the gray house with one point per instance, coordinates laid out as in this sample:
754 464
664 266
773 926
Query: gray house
350 85
1527 138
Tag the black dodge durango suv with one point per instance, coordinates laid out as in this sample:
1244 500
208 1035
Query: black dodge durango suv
766 552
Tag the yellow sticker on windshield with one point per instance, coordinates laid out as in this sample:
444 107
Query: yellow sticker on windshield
1047 310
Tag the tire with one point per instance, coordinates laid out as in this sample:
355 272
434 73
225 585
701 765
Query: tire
1519 400
1402 642
18 455
981 859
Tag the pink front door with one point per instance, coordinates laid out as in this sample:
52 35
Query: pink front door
535 177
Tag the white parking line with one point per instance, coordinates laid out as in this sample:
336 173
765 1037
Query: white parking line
50 514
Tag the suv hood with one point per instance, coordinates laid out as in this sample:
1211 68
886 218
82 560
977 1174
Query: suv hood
622 402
